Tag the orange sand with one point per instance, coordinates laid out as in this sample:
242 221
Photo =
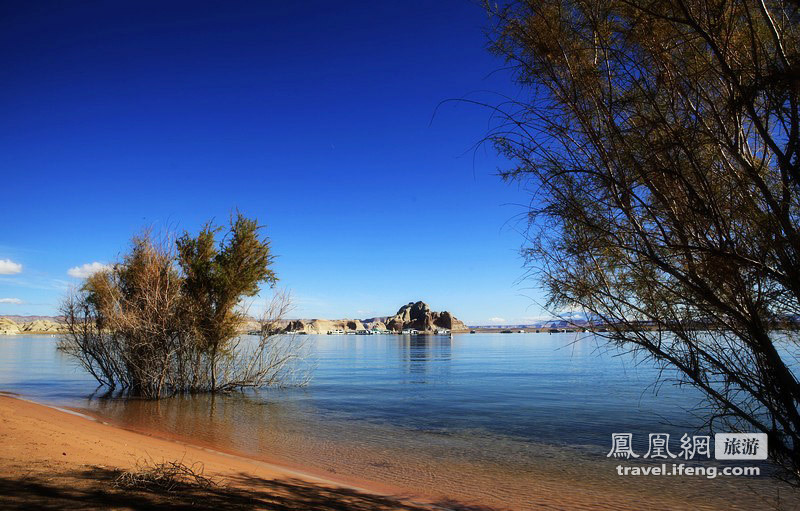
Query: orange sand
56 459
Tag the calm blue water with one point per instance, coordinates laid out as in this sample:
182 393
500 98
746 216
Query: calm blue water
498 419
540 387
555 389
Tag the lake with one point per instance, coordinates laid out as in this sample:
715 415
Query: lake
491 418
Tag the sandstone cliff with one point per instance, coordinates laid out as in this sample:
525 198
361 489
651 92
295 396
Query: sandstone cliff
39 326
420 317
417 316
375 325
8 327
323 326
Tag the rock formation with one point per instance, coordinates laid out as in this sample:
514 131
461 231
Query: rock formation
417 316
375 324
8 327
420 317
42 326
38 326
323 326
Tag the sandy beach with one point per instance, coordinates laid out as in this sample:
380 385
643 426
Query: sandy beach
54 459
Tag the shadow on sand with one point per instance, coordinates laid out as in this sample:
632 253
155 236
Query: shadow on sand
94 489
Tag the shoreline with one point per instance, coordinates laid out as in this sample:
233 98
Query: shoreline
51 457
279 465
80 453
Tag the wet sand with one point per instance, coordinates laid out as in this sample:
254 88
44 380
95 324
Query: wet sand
54 459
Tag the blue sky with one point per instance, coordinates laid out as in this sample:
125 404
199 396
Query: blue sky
315 117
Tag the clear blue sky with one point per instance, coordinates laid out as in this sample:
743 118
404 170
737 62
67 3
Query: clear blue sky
314 117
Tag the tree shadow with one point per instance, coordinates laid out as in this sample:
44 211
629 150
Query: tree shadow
94 489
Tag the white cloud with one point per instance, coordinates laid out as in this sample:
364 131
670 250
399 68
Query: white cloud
82 272
8 267
497 320
15 301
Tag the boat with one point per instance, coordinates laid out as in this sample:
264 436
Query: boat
336 332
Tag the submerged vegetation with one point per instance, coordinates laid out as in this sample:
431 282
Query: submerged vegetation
165 319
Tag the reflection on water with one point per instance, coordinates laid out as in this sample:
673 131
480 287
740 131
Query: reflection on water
495 418
426 356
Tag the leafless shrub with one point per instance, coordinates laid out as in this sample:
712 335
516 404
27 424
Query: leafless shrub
272 358
165 476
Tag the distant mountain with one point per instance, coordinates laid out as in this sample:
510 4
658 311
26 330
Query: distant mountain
567 322
30 319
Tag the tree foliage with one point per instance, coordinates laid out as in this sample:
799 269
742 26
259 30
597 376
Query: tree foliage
165 319
661 143
216 278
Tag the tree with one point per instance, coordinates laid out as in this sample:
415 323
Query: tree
165 319
216 278
661 144
125 325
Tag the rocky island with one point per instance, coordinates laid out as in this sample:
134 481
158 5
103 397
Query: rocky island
415 315
412 316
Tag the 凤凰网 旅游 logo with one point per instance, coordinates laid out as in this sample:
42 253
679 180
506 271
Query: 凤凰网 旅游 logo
727 446
740 446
